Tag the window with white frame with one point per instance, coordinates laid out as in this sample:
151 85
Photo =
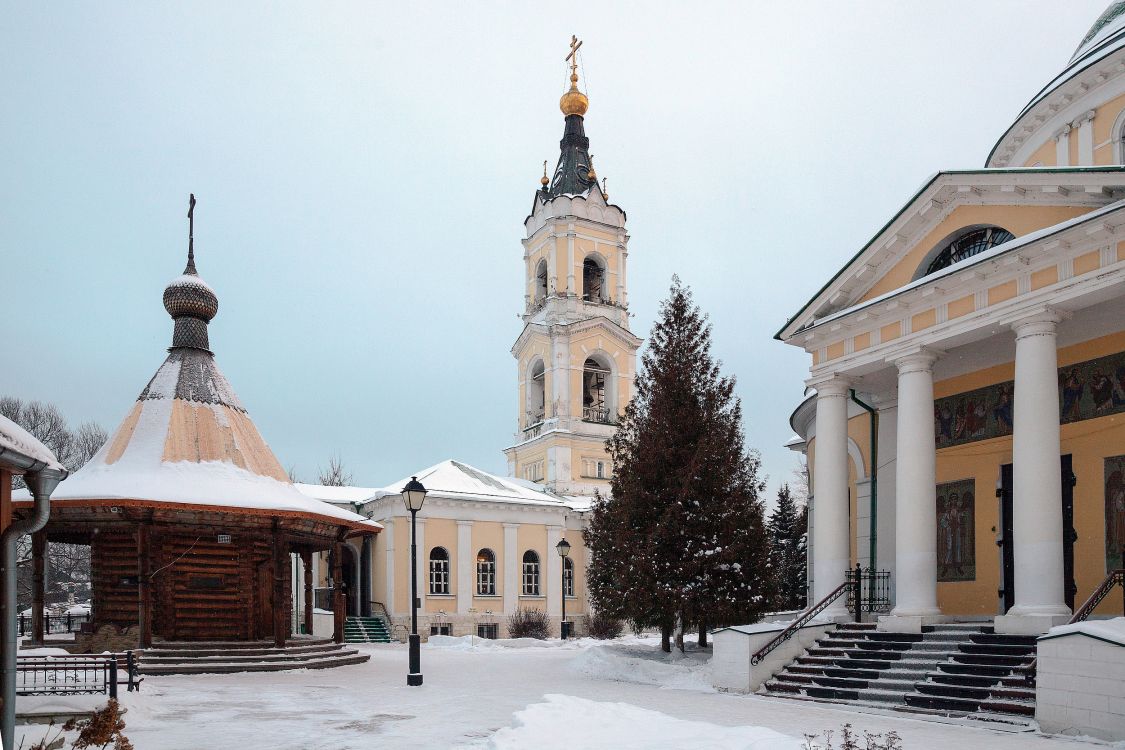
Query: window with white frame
530 573
486 573
568 577
439 571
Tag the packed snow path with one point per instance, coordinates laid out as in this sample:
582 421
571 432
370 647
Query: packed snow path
522 695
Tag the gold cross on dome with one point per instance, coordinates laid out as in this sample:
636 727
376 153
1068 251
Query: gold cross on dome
572 58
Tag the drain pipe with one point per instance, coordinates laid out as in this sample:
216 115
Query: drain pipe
41 482
873 417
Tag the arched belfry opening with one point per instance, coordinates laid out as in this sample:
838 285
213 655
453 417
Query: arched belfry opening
541 281
537 393
593 280
596 406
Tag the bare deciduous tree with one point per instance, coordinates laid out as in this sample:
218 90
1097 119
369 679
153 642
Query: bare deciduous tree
335 475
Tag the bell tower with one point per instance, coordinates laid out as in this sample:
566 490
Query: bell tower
576 356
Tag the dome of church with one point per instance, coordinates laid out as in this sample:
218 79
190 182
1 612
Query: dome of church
190 295
574 102
1109 23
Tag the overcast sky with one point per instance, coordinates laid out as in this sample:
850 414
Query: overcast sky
363 171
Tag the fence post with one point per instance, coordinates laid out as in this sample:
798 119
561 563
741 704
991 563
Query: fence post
858 593
130 666
68 628
113 676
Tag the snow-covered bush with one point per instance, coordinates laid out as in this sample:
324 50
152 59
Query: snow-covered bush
603 627
849 740
529 623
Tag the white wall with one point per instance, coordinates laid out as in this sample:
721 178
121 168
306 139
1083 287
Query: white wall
1080 687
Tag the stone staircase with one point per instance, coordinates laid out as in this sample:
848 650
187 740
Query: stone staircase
955 669
366 630
221 657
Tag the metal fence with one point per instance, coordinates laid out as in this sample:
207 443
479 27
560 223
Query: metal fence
874 590
74 675
54 623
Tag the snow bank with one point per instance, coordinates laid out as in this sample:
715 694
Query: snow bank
43 651
565 722
673 671
472 643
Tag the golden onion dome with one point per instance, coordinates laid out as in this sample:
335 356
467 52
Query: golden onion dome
574 102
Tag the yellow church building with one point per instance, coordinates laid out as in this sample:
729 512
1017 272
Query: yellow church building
967 431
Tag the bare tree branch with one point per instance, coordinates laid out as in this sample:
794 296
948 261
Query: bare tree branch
335 475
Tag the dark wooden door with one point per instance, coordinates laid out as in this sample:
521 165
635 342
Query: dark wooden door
264 574
1008 577
1070 588
1007 551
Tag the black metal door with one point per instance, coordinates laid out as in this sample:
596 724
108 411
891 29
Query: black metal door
1007 551
1069 535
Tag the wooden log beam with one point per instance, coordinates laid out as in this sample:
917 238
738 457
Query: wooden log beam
338 604
144 584
306 563
38 580
280 611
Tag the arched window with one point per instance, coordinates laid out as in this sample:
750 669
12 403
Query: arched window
541 281
530 573
568 577
439 571
967 245
536 393
593 280
595 394
486 573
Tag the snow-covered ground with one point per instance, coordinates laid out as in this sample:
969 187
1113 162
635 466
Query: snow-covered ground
502 695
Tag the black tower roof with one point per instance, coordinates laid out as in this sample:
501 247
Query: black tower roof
572 174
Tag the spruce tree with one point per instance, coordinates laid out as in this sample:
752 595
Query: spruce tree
682 539
787 526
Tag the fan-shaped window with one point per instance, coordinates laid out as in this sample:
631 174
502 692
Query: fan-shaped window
967 245
530 573
593 280
541 281
568 577
439 571
486 573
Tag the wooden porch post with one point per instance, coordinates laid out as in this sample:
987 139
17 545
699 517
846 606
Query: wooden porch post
338 613
144 584
306 564
280 611
38 562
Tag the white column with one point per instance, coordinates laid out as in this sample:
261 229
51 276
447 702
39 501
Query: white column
511 569
1036 482
570 235
830 488
1062 147
553 571
389 534
553 267
466 570
1085 125
916 490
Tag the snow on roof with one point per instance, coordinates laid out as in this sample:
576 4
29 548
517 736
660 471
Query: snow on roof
336 494
1112 631
458 481
17 439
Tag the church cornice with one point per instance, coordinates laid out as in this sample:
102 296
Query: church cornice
553 330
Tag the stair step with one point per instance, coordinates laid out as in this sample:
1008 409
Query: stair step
193 666
179 653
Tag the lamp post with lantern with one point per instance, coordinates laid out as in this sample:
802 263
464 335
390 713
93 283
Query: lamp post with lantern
563 548
413 495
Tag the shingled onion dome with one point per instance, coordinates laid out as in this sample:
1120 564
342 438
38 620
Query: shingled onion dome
192 303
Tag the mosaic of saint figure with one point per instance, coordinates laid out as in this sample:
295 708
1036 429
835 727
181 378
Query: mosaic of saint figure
1114 511
955 543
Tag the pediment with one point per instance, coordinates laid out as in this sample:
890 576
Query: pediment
1026 199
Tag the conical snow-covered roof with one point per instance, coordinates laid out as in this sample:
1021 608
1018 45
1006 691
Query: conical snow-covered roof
188 440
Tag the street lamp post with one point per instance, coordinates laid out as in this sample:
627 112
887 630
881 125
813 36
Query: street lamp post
413 495
563 548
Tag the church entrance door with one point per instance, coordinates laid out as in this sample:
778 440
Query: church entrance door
1007 550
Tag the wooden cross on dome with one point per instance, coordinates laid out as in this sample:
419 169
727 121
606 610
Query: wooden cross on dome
572 58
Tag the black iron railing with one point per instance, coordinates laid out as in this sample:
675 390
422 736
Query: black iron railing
53 624
76 675
874 591
1115 578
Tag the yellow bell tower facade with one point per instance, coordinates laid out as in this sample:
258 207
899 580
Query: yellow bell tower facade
576 356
